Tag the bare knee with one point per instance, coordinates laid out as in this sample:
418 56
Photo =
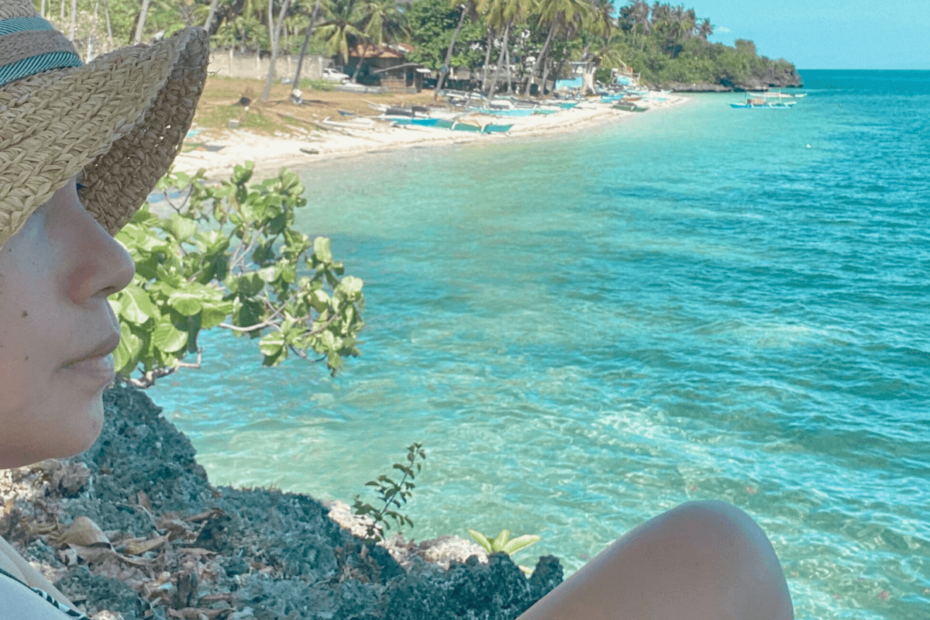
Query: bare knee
736 545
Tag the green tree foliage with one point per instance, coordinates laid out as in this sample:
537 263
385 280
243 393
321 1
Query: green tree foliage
431 24
229 258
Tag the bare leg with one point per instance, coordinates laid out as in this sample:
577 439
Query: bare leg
705 560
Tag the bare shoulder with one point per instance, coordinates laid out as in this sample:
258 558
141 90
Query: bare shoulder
20 603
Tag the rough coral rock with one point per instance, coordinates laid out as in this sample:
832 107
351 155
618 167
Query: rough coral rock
181 547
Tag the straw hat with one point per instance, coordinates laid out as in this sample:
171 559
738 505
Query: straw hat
120 118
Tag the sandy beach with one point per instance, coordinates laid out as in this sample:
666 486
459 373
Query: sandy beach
222 150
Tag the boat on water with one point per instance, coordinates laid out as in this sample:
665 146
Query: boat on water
770 101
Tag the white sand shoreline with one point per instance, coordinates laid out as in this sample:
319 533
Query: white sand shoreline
271 153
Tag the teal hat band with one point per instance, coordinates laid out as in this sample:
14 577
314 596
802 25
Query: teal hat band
31 45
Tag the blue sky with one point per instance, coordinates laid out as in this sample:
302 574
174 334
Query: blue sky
825 34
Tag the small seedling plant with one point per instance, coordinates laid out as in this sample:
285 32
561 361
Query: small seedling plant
392 495
503 543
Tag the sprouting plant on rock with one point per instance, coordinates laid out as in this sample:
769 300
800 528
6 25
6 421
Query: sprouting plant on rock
503 543
392 495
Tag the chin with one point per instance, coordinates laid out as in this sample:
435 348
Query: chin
78 429
90 428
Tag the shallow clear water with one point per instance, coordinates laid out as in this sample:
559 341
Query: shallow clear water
587 330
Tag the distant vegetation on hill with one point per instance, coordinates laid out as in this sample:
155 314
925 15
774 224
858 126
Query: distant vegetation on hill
531 41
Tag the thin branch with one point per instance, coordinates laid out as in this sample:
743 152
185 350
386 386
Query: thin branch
250 328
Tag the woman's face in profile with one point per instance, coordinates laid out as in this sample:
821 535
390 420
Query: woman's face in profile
56 330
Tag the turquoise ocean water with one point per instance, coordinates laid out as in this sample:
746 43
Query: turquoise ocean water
588 330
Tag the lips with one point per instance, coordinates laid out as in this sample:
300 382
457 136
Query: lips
102 350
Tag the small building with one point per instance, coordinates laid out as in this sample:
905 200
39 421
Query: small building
387 67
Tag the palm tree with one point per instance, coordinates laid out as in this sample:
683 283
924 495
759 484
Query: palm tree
468 9
341 30
274 33
74 17
383 22
705 29
211 15
311 28
106 11
558 14
140 23
502 13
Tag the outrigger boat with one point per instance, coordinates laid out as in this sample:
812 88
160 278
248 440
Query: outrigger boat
629 107
774 101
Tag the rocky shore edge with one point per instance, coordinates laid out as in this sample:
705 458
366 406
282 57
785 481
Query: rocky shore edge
133 530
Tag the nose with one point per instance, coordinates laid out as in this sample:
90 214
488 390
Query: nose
100 266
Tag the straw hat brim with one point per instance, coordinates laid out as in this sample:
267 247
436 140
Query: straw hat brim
121 119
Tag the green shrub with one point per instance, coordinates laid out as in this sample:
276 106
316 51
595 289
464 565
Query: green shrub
229 258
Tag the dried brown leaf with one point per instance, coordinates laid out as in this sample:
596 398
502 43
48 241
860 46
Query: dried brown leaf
41 529
196 551
138 548
143 500
213 513
94 555
83 532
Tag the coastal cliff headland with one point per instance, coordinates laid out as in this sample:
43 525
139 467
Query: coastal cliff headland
133 529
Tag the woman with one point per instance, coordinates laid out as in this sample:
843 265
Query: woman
80 149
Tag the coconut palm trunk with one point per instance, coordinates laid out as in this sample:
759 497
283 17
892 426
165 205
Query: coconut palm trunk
275 31
211 15
140 24
445 66
92 40
358 65
541 61
303 49
106 11
500 59
487 60
509 72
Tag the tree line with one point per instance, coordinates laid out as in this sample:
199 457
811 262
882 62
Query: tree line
507 45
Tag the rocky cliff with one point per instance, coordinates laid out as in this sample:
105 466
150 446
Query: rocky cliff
133 529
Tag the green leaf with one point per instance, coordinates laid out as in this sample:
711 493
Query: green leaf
167 337
126 354
272 344
351 287
481 539
182 228
184 302
266 274
143 300
520 542
501 540
322 250
215 313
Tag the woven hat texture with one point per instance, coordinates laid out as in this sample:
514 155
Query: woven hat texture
120 118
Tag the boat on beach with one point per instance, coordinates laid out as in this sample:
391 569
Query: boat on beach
629 107
496 128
